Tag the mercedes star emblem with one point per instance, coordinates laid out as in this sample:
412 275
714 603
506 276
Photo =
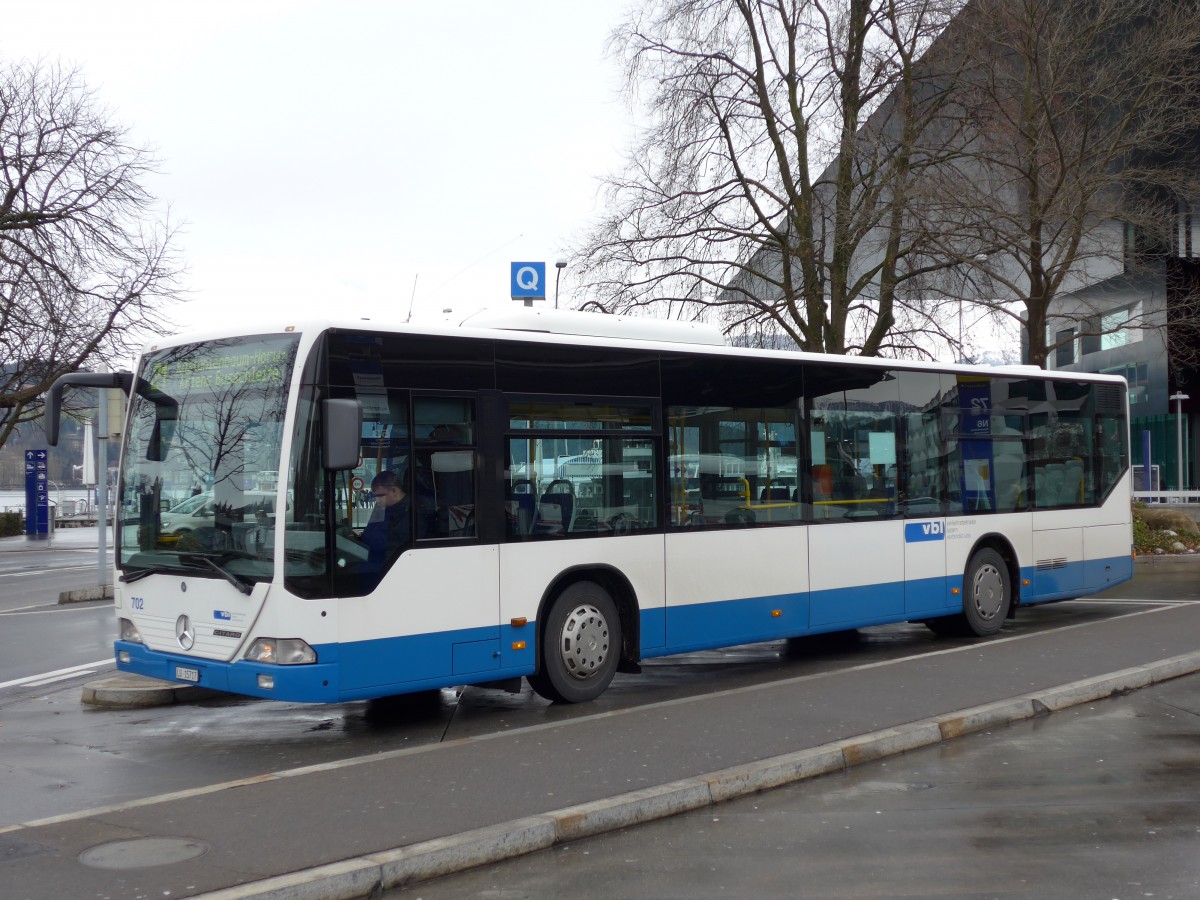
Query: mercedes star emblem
184 633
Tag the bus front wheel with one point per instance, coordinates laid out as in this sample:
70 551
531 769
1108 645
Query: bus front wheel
987 593
580 645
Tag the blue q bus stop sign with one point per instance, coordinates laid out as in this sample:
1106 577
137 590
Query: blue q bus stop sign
37 494
529 281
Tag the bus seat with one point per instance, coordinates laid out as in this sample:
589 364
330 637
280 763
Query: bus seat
521 507
454 492
556 508
1073 481
1008 465
773 494
1055 483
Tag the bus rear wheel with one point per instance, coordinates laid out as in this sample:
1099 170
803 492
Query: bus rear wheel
580 645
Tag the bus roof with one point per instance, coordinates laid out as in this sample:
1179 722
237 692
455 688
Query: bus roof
586 324
599 330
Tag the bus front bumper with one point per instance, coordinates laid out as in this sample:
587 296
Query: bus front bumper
315 683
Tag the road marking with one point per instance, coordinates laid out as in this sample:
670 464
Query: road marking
43 571
66 677
1110 601
57 674
43 609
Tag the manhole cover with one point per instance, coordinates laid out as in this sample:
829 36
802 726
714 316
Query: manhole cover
142 853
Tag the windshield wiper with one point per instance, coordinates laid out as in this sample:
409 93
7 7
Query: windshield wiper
131 575
219 555
207 559
236 580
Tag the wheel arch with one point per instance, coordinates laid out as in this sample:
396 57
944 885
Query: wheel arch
619 588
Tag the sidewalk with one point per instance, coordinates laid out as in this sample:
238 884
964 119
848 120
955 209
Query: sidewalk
348 828
62 539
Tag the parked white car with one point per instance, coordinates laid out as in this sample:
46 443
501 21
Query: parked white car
198 511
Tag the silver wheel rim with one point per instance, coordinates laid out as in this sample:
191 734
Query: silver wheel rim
987 591
584 643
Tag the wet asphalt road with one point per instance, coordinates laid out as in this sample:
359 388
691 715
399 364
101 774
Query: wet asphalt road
1098 801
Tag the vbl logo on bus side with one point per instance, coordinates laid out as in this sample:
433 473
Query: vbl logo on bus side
924 531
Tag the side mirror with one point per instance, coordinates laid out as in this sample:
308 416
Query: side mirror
342 427
52 412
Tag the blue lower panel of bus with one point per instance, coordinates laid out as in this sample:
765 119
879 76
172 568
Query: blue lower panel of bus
863 605
702 626
1075 579
358 670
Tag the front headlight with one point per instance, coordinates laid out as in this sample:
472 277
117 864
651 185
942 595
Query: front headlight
130 633
281 652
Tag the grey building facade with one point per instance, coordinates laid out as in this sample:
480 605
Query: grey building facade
1140 323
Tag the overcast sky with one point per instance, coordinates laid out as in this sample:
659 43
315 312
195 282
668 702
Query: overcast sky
326 156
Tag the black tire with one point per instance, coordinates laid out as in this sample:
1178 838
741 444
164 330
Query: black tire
580 645
987 594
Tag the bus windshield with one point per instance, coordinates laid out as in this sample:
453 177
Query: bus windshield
199 481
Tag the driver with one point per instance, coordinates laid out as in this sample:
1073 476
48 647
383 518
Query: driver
390 527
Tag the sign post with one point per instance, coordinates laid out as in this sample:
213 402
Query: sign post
528 281
37 492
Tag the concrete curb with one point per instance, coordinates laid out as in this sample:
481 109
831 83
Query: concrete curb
365 876
125 691
82 595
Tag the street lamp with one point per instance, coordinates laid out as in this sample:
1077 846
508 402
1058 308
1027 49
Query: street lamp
558 267
1179 397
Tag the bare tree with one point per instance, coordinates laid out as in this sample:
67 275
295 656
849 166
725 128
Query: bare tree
1076 127
85 268
771 189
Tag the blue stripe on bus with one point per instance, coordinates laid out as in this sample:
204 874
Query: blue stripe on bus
364 669
705 626
1074 579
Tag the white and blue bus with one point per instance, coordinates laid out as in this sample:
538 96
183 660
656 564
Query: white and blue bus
582 493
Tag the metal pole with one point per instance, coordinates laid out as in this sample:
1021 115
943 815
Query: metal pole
102 483
57 511
1147 482
1179 397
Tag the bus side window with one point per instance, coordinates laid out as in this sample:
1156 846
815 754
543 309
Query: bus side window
444 477
453 476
